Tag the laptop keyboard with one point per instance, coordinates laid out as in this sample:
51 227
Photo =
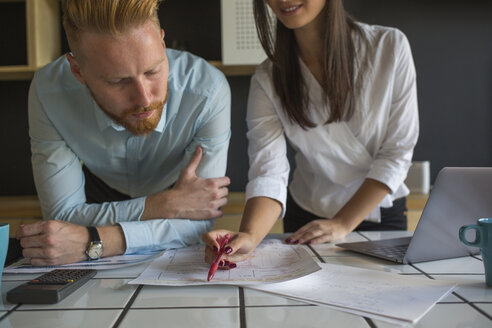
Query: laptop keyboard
389 251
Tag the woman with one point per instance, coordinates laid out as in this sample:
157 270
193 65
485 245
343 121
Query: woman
343 94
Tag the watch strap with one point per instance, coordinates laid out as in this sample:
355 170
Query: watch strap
94 235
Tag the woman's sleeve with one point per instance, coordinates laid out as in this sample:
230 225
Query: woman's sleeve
395 155
268 164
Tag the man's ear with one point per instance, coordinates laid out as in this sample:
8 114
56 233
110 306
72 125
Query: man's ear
162 36
75 67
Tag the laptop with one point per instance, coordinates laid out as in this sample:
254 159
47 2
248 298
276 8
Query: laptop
460 196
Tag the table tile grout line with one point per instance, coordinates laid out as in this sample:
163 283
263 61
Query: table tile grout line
456 294
451 274
363 236
473 306
457 274
10 311
212 307
316 253
127 306
475 257
66 309
279 305
422 271
370 322
242 309
185 307
411 274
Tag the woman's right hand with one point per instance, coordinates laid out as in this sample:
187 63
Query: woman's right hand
240 246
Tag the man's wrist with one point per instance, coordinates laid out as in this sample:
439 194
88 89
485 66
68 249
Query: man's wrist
157 206
87 238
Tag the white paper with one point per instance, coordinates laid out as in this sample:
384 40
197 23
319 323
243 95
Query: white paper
105 263
381 295
272 261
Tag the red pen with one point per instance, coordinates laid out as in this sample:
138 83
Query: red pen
215 265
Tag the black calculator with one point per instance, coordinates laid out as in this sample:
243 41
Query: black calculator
50 287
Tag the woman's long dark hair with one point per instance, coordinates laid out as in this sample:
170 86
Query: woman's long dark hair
338 63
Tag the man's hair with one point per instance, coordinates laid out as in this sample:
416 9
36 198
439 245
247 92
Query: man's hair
112 17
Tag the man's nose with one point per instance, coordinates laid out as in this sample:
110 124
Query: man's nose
142 94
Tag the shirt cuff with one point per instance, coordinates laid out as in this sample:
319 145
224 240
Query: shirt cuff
267 187
391 175
163 234
138 237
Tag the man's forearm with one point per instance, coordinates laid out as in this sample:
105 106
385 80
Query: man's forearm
157 206
192 197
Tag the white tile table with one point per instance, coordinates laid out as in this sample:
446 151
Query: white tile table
108 301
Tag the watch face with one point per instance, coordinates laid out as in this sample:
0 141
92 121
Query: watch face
95 250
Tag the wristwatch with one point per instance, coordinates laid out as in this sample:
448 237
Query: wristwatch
95 249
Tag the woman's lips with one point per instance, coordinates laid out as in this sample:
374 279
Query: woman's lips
291 10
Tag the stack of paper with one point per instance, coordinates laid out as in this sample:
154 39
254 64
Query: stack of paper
289 270
374 294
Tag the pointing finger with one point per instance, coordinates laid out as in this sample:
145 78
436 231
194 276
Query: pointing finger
211 238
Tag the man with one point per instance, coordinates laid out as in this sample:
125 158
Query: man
126 136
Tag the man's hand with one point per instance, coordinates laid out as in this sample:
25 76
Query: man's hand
53 242
191 197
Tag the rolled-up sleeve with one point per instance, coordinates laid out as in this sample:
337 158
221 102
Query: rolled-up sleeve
395 155
267 149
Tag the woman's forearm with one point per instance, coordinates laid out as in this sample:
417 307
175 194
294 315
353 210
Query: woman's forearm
365 199
260 214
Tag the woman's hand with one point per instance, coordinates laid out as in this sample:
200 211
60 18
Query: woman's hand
320 231
239 247
366 198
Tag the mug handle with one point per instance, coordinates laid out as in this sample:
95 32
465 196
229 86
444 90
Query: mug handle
478 237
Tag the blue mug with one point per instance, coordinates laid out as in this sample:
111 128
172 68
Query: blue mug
483 240
4 245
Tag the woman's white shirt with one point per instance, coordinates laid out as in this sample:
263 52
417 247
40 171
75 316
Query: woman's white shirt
333 160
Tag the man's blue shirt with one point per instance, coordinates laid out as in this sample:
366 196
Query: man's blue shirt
67 128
